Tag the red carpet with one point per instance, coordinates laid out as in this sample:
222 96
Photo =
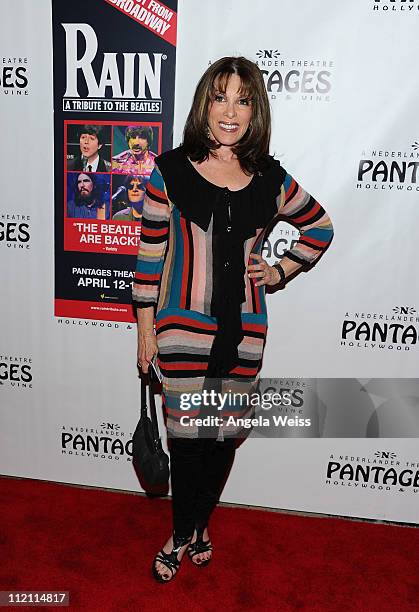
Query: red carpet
99 545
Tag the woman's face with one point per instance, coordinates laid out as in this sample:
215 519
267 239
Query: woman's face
229 114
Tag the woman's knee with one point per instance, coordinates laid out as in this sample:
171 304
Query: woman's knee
186 446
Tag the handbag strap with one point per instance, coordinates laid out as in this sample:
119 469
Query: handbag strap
147 381
153 412
144 383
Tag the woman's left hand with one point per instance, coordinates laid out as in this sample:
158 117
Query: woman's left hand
267 274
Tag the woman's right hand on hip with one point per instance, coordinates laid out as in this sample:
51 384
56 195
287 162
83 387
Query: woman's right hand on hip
147 348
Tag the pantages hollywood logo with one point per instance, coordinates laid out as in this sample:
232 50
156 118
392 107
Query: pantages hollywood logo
381 472
295 78
397 331
105 441
72 323
283 238
389 170
408 6
14 76
15 230
16 371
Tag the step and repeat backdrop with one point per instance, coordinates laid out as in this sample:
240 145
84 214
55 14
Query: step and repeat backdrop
90 93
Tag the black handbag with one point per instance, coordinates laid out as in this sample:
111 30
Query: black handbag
149 458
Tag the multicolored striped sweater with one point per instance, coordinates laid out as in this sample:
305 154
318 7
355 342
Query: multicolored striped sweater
175 264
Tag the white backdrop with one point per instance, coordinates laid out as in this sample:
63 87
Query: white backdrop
84 375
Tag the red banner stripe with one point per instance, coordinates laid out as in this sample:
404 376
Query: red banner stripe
101 311
151 14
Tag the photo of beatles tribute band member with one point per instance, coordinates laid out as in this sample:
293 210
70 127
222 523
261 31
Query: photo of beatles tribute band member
138 159
127 199
88 196
88 148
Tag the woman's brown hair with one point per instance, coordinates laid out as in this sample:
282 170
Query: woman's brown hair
252 150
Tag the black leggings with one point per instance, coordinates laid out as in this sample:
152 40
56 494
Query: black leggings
199 469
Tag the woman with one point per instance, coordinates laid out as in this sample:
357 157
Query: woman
208 208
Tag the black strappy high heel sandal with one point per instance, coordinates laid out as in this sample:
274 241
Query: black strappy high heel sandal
199 546
170 560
